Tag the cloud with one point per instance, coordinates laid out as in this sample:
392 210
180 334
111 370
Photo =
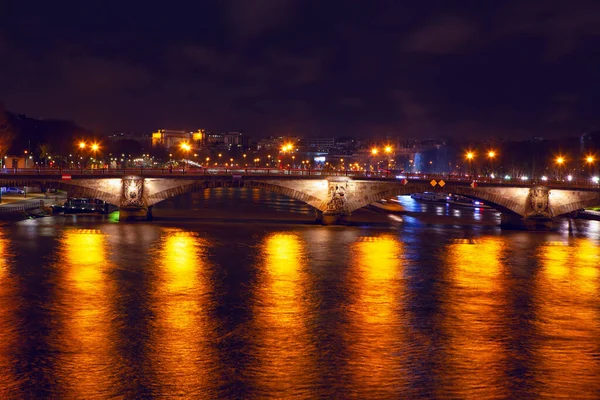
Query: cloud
442 35
409 107
562 24
252 18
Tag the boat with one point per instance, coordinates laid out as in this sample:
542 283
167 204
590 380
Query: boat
429 196
465 201
387 206
81 205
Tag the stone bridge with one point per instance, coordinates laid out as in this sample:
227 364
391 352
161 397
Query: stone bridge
333 198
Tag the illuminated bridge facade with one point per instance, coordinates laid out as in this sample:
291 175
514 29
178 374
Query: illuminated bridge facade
332 197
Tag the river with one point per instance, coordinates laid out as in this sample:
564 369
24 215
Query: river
234 294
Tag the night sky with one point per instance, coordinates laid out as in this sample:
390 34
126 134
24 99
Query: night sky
511 69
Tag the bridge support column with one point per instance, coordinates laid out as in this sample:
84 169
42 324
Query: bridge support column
135 214
330 218
509 221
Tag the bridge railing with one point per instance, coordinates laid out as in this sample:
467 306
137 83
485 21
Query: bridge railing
257 171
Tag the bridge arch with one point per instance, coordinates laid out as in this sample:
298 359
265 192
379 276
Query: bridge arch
183 187
502 204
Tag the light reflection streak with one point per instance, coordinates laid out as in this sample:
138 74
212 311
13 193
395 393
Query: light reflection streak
473 318
282 312
566 299
375 337
181 358
8 329
88 362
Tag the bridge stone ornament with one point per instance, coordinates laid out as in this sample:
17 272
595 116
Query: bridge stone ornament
538 203
133 193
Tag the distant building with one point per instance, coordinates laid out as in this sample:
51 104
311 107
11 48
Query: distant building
171 138
234 139
15 162
318 144
144 139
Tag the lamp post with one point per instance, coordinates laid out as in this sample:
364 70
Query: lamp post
81 146
560 160
388 151
589 160
374 152
491 155
470 156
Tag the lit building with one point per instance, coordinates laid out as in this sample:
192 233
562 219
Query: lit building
318 144
171 138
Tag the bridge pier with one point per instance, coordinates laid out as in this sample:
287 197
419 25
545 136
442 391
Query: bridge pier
135 214
330 218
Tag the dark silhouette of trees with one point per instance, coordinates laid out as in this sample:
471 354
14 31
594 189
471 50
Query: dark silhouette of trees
7 133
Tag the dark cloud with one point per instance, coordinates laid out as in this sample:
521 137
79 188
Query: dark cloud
514 69
442 35
250 19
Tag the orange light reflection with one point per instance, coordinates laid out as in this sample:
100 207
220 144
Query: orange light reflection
282 311
566 299
181 358
473 318
375 337
84 294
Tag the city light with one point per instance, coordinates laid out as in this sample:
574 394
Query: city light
470 155
590 159
82 145
185 146
491 154
595 179
570 178
388 149
287 147
374 151
560 160
544 178
524 178
95 147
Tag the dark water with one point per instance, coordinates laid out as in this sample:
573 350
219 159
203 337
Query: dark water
198 309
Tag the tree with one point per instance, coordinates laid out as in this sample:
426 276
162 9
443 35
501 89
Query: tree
43 150
7 133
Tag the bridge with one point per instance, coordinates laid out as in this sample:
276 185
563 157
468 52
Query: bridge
334 196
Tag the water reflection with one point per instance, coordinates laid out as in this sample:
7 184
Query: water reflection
375 336
568 319
474 318
9 336
283 313
88 364
181 356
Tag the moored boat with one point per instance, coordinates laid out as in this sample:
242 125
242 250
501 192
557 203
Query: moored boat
81 205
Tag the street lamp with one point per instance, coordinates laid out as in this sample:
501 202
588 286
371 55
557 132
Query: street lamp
470 156
590 162
560 160
491 155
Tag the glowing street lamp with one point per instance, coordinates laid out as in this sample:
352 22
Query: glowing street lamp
374 151
470 156
491 155
81 145
560 160
388 149
185 146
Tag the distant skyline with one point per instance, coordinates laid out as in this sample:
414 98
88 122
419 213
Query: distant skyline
513 69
